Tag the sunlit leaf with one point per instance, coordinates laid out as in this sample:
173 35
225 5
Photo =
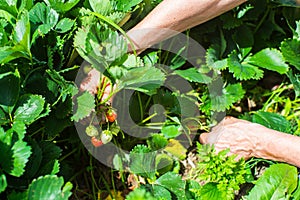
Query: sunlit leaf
173 183
3 182
270 59
49 187
243 70
61 5
85 104
277 182
29 108
193 75
291 51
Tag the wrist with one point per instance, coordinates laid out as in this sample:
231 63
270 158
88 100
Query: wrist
277 146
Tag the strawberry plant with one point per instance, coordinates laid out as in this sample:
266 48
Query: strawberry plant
151 107
219 171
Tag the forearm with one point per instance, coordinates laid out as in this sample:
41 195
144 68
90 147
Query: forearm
279 146
177 15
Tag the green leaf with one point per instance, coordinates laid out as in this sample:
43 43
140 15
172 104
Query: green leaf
229 95
192 188
21 153
49 187
21 40
150 59
26 4
291 50
3 34
230 21
22 32
161 192
50 155
277 182
56 167
67 88
3 182
17 195
296 193
54 126
142 161
29 108
164 163
295 79
100 48
61 6
213 58
173 183
3 117
272 120
102 7
270 59
143 79
297 31
5 138
9 88
64 25
20 128
140 194
287 2
39 13
210 191
125 6
157 141
244 70
45 17
213 54
244 37
35 160
175 148
85 105
9 6
193 75
170 131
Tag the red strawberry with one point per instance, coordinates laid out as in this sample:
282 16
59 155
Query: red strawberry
111 116
96 142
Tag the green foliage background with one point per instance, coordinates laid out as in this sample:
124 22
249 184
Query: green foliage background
255 47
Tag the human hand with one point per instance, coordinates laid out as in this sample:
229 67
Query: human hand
239 135
91 82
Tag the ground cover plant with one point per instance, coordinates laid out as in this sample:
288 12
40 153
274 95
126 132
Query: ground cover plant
255 48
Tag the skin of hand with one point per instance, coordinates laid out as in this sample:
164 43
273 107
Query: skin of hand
177 15
91 82
248 139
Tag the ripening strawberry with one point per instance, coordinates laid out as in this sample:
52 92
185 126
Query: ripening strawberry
96 142
91 131
111 116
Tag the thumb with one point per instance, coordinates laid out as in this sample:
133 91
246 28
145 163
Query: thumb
203 138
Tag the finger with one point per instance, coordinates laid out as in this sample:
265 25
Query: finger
203 138
90 83
231 120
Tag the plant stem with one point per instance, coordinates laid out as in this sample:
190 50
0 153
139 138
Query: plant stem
110 22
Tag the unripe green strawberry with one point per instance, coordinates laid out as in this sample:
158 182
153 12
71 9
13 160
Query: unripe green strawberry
91 131
106 136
